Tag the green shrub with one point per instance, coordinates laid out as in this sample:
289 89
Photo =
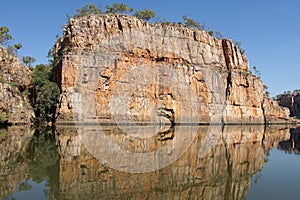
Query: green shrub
3 134
3 117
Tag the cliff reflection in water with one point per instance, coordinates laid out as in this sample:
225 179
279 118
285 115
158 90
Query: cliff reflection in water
292 145
68 164
29 159
225 171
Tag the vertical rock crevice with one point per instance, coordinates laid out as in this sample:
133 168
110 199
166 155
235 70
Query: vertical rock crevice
120 25
229 76
263 110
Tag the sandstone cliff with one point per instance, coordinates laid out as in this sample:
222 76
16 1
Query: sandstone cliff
119 68
15 78
292 102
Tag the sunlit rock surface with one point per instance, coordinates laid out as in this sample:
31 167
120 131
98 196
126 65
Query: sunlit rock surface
119 68
15 78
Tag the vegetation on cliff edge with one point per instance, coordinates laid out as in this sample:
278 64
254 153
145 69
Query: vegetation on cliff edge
147 15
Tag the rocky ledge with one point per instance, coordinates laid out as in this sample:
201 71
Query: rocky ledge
15 79
119 68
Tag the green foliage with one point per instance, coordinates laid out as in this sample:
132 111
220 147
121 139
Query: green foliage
55 58
189 22
13 49
287 93
4 35
89 9
24 186
239 45
218 34
28 60
18 46
46 100
42 154
118 8
266 92
14 84
296 91
10 49
45 92
3 117
3 134
256 71
4 39
41 74
211 33
145 14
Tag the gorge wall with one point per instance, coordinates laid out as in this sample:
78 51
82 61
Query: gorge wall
15 78
292 102
119 68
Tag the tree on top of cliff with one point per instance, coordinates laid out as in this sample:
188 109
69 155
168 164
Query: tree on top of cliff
188 22
4 35
118 8
89 9
145 14
13 49
28 60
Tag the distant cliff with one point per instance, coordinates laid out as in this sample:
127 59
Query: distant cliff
184 74
291 101
15 79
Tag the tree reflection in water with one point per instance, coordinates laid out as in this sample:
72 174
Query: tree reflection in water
33 160
59 162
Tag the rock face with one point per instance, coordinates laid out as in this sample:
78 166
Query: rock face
273 112
292 102
119 68
15 78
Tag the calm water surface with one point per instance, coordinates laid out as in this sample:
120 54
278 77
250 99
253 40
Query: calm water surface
231 162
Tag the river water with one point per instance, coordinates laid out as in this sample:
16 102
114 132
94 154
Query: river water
182 162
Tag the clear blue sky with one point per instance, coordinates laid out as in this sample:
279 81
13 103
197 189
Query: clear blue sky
269 30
